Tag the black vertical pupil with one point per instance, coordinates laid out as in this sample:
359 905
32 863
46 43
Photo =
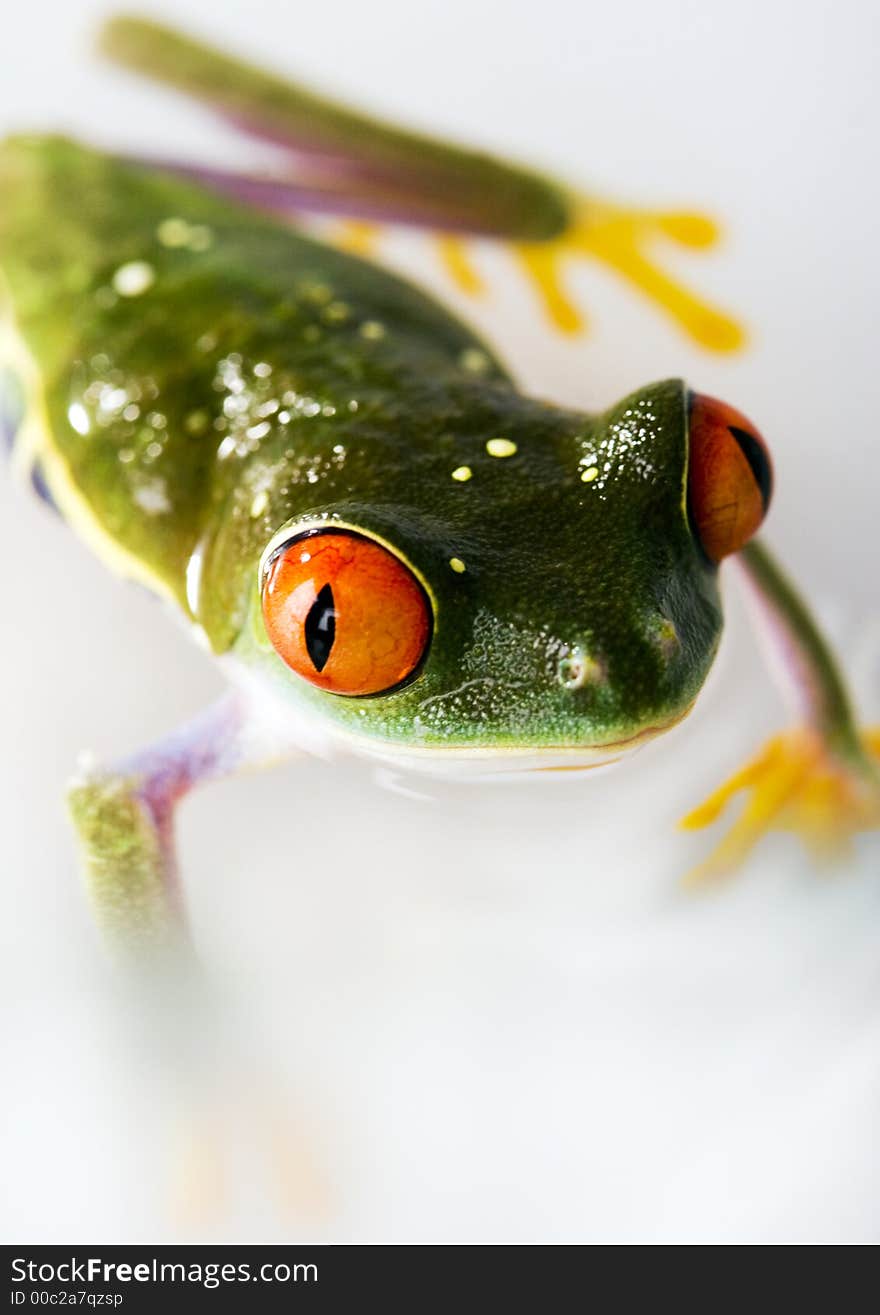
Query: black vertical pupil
321 628
758 463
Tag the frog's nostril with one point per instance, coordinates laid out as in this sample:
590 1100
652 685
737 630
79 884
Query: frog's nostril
578 668
665 636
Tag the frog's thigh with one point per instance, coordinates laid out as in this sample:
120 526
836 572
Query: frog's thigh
124 818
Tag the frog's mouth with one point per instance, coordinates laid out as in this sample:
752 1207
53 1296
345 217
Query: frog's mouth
506 762
292 726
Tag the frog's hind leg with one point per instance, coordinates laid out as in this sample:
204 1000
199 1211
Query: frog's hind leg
333 160
820 779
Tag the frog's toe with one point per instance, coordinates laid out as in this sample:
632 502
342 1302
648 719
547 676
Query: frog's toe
199 1181
301 1183
687 229
359 236
794 784
225 1147
456 260
542 264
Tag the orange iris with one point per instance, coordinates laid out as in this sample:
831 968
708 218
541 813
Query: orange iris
345 613
730 477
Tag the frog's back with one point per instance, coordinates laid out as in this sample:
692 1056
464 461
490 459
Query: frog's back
164 337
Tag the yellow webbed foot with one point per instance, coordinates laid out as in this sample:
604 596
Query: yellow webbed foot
619 238
794 784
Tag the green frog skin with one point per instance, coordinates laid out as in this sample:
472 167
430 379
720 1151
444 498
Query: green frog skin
389 549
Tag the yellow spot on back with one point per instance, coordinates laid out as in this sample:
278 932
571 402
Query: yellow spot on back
462 473
196 422
336 313
500 447
588 475
173 232
457 565
176 233
474 361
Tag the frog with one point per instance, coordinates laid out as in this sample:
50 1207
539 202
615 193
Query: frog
389 549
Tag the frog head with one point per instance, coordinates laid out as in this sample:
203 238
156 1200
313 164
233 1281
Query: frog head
546 593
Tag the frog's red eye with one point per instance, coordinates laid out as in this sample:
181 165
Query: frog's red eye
345 613
730 478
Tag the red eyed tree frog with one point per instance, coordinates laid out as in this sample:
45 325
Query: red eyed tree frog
389 549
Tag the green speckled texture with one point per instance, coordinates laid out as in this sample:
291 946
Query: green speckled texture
122 855
252 377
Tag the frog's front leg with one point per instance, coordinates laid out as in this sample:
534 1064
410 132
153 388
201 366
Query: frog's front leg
821 778
124 818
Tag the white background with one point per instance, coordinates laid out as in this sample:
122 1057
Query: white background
500 1018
